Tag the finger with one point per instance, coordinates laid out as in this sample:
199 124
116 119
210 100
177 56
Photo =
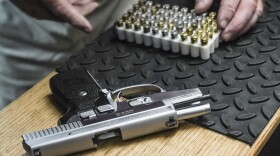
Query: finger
202 5
243 15
65 10
86 9
226 12
80 2
258 13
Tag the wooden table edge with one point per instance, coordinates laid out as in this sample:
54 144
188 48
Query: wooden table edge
254 149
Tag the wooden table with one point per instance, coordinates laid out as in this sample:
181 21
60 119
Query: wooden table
35 110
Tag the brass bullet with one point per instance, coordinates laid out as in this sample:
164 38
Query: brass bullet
174 34
170 26
142 21
130 12
143 9
213 15
154 10
215 29
204 27
194 25
214 23
206 18
128 24
204 40
147 28
149 4
137 26
142 2
190 31
184 36
209 21
119 23
133 18
136 7
155 30
194 38
125 17
199 33
210 34
160 24
165 32
157 17
204 33
211 29
195 31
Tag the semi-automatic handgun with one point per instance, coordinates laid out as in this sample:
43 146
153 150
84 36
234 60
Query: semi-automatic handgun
128 112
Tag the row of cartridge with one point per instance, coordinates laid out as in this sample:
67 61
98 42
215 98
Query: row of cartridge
170 28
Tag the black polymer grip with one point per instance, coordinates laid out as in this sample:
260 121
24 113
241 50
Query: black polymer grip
74 91
242 77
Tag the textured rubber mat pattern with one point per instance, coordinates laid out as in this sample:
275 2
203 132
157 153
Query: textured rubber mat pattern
242 77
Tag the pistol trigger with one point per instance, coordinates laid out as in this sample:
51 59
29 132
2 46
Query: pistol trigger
119 97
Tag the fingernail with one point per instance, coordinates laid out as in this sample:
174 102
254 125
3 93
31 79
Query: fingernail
85 26
224 24
87 29
96 5
226 36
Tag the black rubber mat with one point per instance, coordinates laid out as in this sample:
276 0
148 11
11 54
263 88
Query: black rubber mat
243 77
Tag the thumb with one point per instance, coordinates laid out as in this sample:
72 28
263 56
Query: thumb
202 5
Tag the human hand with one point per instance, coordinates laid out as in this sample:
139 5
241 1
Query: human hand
235 17
73 11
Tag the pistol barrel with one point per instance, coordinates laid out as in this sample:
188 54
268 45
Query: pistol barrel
192 112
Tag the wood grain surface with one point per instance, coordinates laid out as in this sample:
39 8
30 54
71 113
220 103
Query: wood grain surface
36 110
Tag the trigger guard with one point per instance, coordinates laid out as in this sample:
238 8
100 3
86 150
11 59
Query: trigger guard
136 89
